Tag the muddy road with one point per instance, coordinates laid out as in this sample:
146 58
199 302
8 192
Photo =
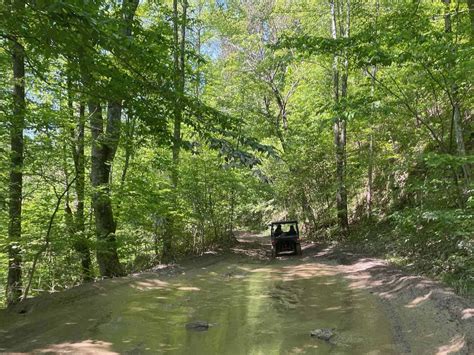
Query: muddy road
242 302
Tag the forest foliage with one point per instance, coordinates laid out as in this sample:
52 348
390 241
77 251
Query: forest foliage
134 132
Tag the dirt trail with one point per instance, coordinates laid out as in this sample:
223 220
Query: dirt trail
253 305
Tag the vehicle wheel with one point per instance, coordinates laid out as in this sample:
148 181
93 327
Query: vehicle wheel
298 250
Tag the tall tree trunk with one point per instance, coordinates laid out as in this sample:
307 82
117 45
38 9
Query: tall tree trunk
129 130
104 147
456 113
177 111
102 144
370 177
130 124
198 64
179 75
179 57
370 168
77 223
342 160
17 124
80 168
340 91
458 132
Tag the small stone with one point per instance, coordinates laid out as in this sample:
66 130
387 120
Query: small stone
323 333
198 326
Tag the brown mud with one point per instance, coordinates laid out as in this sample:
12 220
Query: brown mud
252 305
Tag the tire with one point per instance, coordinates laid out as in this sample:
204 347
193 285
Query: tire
298 250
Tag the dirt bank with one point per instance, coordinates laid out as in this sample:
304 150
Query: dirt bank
252 305
426 316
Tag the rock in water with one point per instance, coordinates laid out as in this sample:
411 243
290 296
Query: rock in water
198 326
323 333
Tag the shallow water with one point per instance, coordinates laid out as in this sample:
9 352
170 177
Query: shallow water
253 308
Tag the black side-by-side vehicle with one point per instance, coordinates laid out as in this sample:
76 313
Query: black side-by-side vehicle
285 237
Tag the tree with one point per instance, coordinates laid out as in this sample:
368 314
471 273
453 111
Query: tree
17 123
104 147
77 219
456 111
196 119
340 100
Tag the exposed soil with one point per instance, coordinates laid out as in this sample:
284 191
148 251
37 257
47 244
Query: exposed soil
426 316
243 302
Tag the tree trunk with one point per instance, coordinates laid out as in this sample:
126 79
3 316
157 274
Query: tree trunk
370 177
179 75
198 52
80 168
370 169
340 128
456 114
104 147
179 57
458 133
76 221
14 285
307 210
103 144
341 161
130 132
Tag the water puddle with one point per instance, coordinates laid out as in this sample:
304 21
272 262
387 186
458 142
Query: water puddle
250 308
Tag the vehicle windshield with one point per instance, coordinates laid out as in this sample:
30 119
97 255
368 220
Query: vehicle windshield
286 229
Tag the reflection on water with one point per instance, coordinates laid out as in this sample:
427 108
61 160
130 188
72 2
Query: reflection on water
252 309
265 310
